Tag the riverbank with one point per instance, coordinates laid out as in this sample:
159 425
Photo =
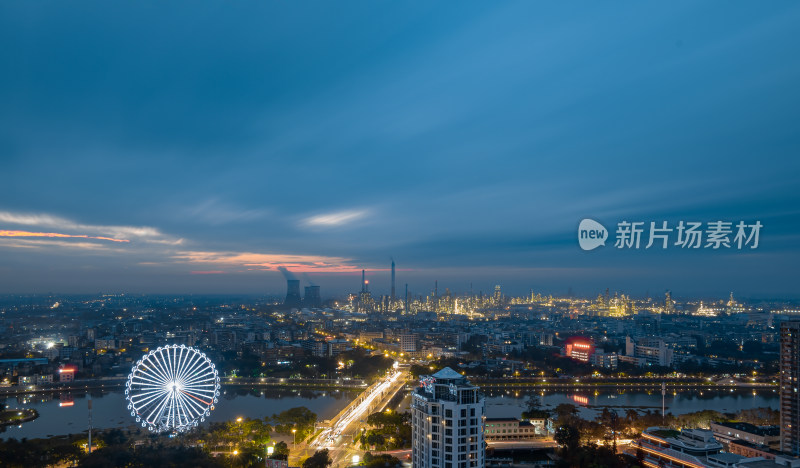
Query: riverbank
330 384
13 417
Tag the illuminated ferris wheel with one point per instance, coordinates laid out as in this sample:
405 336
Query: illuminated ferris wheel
172 388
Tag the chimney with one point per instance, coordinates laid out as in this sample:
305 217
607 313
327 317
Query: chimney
393 280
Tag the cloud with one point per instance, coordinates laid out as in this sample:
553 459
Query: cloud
334 219
55 234
260 261
24 243
152 243
116 233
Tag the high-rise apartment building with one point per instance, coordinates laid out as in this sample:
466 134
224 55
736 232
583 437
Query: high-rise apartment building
790 387
447 422
408 342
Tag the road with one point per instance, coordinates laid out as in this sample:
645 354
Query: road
338 438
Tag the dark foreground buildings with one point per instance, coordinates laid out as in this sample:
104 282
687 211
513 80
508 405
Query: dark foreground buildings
447 422
790 387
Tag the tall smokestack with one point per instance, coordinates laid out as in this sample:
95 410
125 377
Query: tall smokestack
436 296
363 281
392 279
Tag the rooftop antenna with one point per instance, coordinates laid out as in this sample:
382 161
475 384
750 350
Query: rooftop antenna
393 296
407 311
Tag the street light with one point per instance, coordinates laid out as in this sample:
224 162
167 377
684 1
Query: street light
294 434
241 433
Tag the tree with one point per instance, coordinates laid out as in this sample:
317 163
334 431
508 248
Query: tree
565 412
320 459
247 457
381 461
759 416
300 418
568 437
281 451
113 437
151 457
533 408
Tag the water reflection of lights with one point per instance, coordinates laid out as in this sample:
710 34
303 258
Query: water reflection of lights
580 399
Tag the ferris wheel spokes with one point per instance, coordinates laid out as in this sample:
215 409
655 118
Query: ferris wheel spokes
171 388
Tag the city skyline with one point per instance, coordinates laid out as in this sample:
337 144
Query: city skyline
141 156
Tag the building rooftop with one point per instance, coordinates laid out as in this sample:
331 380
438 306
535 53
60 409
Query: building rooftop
726 458
447 373
773 431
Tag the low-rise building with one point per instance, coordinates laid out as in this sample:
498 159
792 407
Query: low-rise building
602 359
689 448
66 373
513 428
726 432
408 342
747 449
698 448
653 350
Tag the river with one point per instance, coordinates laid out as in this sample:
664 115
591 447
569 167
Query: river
68 413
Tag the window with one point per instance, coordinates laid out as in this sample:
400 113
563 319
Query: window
448 413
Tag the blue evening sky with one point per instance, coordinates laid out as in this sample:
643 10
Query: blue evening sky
465 139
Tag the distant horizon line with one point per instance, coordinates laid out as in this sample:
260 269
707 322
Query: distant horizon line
656 298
